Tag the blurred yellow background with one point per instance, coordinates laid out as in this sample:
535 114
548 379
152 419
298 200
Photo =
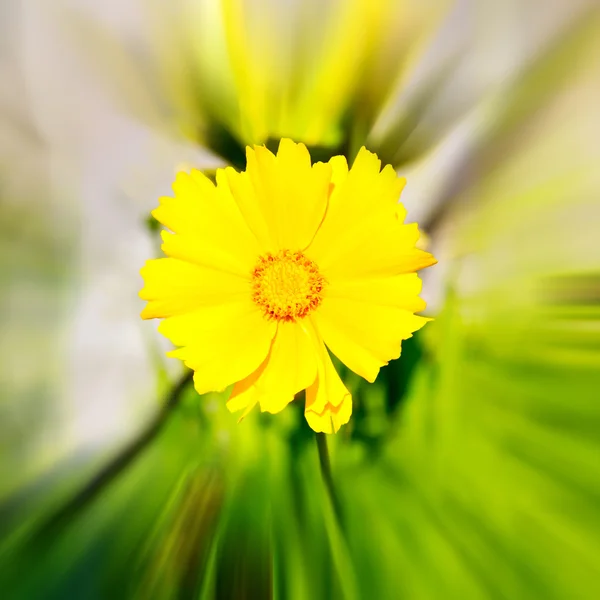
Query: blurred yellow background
470 469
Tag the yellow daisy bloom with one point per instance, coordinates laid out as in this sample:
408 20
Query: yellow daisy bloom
270 268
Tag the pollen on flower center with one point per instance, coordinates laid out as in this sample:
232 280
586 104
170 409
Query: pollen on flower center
286 285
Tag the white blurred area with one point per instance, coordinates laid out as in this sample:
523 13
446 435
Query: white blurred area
78 179
88 144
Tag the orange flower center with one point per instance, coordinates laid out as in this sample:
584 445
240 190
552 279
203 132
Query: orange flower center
286 285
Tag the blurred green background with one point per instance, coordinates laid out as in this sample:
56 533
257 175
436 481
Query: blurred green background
469 470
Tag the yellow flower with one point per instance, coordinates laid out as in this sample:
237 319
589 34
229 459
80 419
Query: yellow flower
271 267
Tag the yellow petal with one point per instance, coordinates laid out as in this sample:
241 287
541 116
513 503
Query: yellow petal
222 344
362 234
290 367
290 192
364 336
300 196
339 173
249 204
173 287
401 291
328 402
331 418
194 194
358 193
210 229
384 247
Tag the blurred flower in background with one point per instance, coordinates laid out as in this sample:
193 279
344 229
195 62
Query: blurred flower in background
470 469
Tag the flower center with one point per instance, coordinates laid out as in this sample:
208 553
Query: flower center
286 285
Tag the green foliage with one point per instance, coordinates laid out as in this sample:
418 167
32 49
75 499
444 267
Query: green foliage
485 486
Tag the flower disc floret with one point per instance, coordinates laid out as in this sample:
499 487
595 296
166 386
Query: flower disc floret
287 285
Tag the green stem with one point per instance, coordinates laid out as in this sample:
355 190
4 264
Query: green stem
326 474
